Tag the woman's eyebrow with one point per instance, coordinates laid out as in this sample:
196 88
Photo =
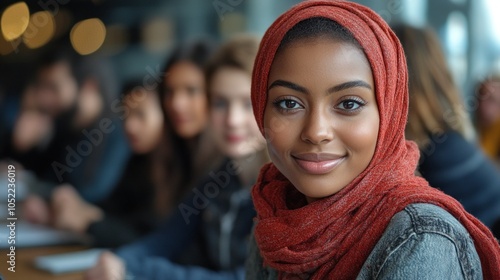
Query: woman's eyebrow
337 88
287 84
348 85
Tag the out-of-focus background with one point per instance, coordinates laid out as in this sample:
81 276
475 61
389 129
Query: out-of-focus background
106 110
138 35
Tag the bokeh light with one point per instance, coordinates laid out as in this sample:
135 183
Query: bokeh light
40 30
87 36
15 20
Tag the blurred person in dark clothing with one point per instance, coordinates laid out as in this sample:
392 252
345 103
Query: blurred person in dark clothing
90 147
206 236
129 211
88 150
184 152
440 125
49 97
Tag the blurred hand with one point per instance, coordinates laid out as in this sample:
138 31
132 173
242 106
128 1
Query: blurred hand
71 212
30 129
108 267
36 210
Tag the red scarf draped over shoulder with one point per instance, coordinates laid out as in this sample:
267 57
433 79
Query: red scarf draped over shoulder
331 238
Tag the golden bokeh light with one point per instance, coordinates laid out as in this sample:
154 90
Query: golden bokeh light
40 30
15 20
88 35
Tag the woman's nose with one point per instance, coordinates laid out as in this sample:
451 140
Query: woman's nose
318 128
235 116
178 101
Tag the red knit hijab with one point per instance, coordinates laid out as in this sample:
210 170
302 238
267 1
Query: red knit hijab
331 238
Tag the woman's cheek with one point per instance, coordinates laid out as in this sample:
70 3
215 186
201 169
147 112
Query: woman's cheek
219 121
277 124
362 135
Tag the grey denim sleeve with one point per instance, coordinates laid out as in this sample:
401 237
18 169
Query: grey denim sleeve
423 242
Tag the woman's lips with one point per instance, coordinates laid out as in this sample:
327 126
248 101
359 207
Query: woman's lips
318 164
132 138
180 120
233 139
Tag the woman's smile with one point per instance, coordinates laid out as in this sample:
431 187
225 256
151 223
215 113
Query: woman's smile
318 163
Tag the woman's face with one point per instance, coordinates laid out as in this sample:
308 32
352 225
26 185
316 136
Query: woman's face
321 117
56 89
144 123
185 100
233 124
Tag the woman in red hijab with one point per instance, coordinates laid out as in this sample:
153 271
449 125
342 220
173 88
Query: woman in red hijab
340 199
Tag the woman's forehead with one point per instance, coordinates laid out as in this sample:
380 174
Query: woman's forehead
322 59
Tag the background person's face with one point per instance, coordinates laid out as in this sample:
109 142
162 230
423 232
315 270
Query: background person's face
321 117
232 121
489 103
144 123
56 89
185 99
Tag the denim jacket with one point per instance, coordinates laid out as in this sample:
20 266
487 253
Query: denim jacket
421 242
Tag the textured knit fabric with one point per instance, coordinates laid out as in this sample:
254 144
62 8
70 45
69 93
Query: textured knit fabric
331 238
421 242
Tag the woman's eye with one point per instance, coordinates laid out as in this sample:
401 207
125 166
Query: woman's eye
350 105
192 91
219 104
288 104
167 91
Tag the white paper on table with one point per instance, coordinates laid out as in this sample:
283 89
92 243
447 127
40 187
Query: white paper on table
31 235
68 262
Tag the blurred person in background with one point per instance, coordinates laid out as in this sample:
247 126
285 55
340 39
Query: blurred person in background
439 124
91 146
206 238
129 211
488 116
88 150
187 151
171 167
49 98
